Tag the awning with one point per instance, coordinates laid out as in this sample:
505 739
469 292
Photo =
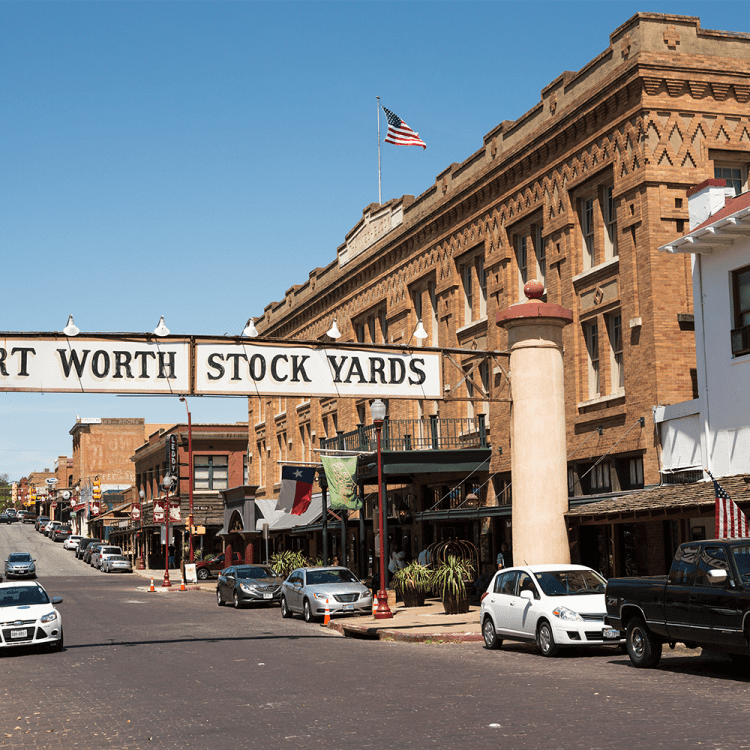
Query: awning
665 502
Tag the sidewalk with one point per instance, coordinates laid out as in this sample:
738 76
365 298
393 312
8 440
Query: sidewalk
174 579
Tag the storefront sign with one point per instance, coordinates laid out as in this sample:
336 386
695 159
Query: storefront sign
172 462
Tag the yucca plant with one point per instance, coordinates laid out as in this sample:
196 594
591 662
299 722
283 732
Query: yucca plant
412 583
287 561
450 580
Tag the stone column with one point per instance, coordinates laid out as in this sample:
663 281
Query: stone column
538 448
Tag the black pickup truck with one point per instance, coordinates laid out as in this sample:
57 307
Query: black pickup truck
703 602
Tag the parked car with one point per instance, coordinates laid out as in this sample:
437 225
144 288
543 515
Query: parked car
12 515
29 617
552 605
307 590
20 565
50 526
83 545
703 602
99 555
204 569
29 517
91 548
5 518
72 541
41 522
116 563
243 584
60 533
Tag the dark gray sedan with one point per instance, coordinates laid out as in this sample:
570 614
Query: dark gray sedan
20 565
244 584
308 591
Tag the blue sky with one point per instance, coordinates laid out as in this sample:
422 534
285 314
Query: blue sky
195 160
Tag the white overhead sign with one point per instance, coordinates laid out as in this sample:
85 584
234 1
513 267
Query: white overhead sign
183 366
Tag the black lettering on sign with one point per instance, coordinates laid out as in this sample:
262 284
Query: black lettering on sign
144 362
355 369
257 367
100 363
236 368
3 355
274 374
377 367
70 358
122 362
212 362
336 367
24 352
166 366
414 367
398 370
298 367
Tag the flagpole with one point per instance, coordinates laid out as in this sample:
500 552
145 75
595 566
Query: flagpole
380 195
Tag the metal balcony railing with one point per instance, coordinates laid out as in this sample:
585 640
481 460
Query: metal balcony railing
414 434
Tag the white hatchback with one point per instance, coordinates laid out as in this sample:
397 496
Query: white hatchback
551 605
72 541
28 616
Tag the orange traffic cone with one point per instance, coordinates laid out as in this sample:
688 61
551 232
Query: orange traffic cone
152 585
182 582
327 616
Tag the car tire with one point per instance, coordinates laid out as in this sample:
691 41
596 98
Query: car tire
546 640
490 635
202 574
236 601
285 611
219 600
307 612
644 649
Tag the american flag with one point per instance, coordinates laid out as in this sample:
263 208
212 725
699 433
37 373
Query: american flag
731 522
399 133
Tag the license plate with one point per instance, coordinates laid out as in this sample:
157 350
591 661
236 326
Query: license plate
268 596
608 633
348 607
19 633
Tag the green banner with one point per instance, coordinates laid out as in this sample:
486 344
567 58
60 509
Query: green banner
341 474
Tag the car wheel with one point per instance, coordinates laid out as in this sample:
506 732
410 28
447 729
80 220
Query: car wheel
219 600
202 574
307 612
490 636
545 640
644 649
285 611
237 602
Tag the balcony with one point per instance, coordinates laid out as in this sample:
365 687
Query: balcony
430 434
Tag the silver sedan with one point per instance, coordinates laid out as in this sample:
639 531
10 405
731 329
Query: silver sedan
309 591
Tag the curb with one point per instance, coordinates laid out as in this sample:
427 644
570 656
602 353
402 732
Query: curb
171 590
384 634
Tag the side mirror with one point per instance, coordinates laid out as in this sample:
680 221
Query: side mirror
56 599
526 594
717 575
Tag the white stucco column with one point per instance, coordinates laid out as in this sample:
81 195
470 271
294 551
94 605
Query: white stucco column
538 448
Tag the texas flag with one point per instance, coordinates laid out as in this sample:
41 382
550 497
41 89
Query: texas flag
296 489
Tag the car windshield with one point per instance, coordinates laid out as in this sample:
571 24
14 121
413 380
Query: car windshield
256 571
316 577
19 557
741 554
19 596
570 582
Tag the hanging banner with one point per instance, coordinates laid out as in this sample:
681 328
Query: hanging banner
159 512
342 484
135 512
94 508
175 512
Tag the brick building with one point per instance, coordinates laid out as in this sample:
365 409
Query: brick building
219 463
579 193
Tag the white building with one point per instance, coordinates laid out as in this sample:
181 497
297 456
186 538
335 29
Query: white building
713 431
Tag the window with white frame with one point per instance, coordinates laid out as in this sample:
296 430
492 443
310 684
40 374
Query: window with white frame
467 276
261 452
541 255
432 293
609 206
482 283
211 472
587 229
741 299
601 479
617 374
522 260
591 334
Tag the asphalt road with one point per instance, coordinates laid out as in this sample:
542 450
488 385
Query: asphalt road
174 670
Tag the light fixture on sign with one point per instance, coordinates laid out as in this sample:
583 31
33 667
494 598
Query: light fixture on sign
333 331
250 329
71 329
161 329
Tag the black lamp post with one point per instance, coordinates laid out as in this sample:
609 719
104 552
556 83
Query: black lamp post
167 484
382 612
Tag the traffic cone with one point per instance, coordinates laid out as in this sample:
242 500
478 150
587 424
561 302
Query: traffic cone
182 582
152 585
327 616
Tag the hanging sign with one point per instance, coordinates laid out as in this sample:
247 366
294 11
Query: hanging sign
94 508
159 512
135 512
175 512
172 462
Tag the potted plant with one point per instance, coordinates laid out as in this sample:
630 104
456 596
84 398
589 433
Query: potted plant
285 562
450 581
412 583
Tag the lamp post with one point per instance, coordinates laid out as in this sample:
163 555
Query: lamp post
382 611
167 484
142 496
190 475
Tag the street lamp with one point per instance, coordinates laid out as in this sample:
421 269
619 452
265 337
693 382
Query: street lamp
190 474
167 484
142 496
382 612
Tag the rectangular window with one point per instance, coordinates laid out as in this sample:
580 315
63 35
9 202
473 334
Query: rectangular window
211 472
741 299
732 174
636 473
281 442
384 327
541 255
600 477
587 228
482 278
617 379
591 332
522 256
417 296
245 469
360 329
432 291
610 222
468 279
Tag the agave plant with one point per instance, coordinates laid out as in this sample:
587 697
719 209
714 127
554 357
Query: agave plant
412 577
451 577
285 562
